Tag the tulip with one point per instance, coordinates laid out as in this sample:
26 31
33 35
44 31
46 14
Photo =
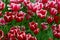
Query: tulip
36 31
50 19
54 27
28 36
41 13
19 17
56 31
2 21
15 30
1 34
44 26
21 35
32 38
52 4
53 11
2 5
26 2
33 25
14 7
29 12
37 6
56 19
28 17
44 1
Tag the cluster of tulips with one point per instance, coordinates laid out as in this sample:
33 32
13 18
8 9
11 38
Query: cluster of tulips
16 33
40 7
56 30
9 16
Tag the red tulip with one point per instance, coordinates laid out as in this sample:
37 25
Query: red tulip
28 36
29 12
56 19
15 27
20 1
23 28
58 7
40 6
58 28
8 13
44 1
15 30
21 36
56 31
36 31
37 6
2 21
33 25
11 35
8 18
56 0
32 38
14 7
58 10
50 19
41 13
1 34
54 27
26 2
53 11
57 35
19 17
28 17
52 4
30 6
13 1
44 26
46 6
2 5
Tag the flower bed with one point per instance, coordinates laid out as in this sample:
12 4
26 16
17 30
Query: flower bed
29 19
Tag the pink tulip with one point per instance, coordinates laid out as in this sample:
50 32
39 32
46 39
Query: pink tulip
53 11
41 13
2 5
1 34
2 21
